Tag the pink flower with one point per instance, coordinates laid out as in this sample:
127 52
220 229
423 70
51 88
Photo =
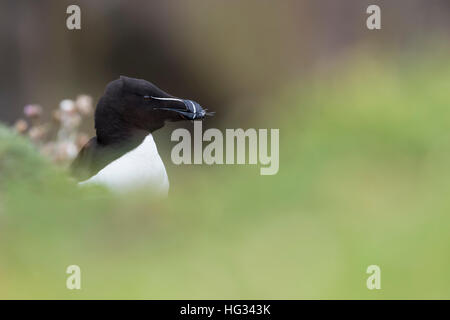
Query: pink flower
21 126
32 111
84 104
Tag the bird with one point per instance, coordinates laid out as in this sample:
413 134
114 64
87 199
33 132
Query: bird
123 155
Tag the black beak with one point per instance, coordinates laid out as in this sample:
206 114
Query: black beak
191 111
194 110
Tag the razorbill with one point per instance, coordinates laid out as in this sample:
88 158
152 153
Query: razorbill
123 155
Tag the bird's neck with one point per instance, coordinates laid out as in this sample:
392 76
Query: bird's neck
113 129
121 136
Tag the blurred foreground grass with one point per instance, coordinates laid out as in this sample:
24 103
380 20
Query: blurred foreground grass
364 179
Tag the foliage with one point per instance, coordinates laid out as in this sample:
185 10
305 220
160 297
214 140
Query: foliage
363 180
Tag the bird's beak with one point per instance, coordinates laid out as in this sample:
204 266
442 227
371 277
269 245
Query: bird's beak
194 110
191 111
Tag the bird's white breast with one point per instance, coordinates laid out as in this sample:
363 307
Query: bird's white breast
140 168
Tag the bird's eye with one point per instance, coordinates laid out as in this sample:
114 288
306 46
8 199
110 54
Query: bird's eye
147 98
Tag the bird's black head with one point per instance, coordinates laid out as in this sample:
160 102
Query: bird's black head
134 105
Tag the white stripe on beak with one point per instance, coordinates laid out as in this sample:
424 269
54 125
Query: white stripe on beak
195 110
173 99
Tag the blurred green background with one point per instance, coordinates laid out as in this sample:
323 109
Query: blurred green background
364 151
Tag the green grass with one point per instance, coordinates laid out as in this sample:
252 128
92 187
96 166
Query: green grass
364 179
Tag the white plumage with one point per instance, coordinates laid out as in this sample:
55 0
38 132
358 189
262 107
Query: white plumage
140 168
